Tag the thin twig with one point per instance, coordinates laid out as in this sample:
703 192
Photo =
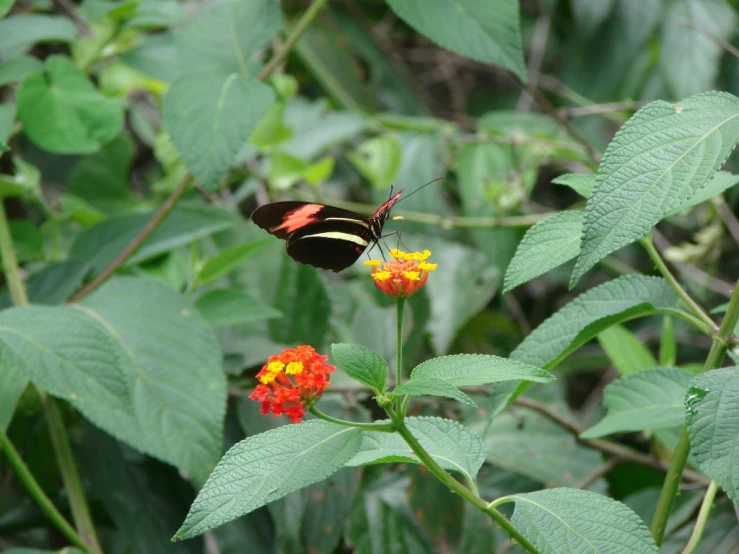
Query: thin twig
619 451
137 241
596 474
537 48
447 222
709 35
598 109
72 12
732 225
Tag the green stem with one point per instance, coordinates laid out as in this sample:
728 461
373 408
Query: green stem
70 475
381 427
297 31
399 360
458 488
10 262
37 493
648 245
700 522
680 456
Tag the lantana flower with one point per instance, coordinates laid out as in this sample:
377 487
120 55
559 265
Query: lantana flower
403 275
292 382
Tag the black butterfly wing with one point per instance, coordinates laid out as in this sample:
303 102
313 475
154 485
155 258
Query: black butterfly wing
333 244
285 218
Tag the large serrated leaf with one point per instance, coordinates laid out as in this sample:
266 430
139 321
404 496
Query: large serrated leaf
546 245
659 159
468 370
209 117
591 312
13 382
223 37
361 364
571 520
713 422
452 445
649 399
484 30
266 467
136 359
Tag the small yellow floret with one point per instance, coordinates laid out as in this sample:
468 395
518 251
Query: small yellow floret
412 275
294 368
373 263
425 266
381 275
275 367
397 254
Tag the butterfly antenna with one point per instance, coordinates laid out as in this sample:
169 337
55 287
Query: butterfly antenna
418 189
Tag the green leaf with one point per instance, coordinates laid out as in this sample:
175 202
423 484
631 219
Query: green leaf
485 30
223 37
268 466
378 159
210 117
650 399
5 6
723 181
53 284
230 259
361 364
302 297
592 312
659 159
28 241
469 370
134 358
24 183
689 59
101 244
102 179
62 111
18 32
13 382
627 353
16 69
546 245
433 387
714 426
224 307
7 118
582 183
571 520
453 446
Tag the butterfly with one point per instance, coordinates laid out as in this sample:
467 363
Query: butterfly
323 236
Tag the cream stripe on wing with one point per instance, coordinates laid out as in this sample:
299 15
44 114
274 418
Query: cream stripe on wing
338 236
355 221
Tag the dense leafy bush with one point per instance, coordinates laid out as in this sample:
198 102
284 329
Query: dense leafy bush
542 362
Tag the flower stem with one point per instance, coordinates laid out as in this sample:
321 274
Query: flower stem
680 456
648 245
376 426
399 360
458 488
10 262
37 493
700 522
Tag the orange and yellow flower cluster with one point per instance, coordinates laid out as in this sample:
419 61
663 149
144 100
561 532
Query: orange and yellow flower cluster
291 382
402 276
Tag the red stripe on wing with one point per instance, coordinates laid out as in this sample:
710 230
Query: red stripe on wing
298 218
389 204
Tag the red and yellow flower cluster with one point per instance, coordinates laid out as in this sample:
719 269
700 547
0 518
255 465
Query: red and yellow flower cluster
401 277
291 382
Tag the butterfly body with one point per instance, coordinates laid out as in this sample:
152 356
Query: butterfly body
323 236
